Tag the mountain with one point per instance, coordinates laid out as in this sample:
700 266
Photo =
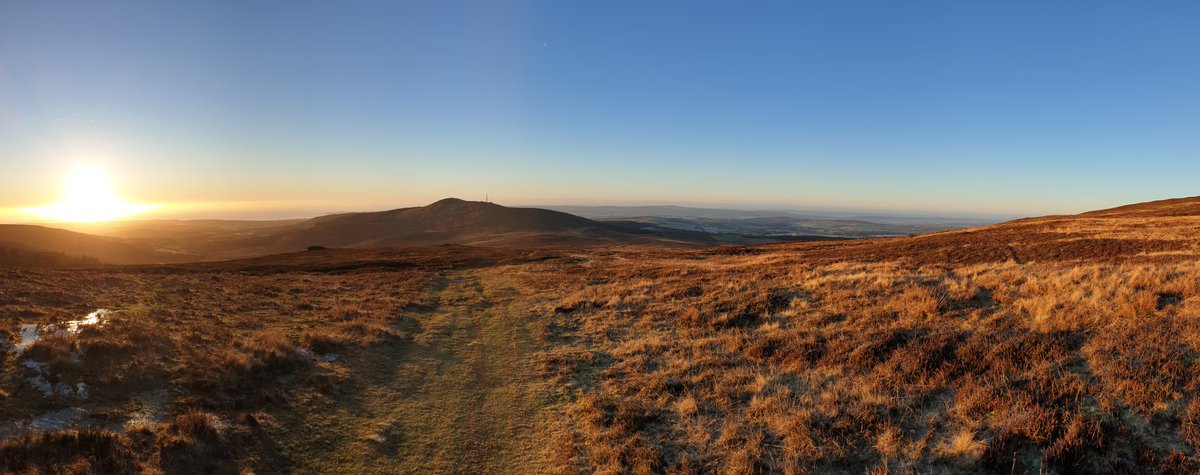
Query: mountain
452 221
32 239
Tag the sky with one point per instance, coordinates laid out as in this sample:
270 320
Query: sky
262 109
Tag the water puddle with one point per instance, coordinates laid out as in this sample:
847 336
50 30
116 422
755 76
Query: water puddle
309 355
31 333
150 409
59 419
74 326
53 420
39 382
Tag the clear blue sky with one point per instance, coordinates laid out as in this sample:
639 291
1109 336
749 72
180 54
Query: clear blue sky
958 106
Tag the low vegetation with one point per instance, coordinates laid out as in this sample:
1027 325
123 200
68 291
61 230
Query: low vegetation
740 365
1021 348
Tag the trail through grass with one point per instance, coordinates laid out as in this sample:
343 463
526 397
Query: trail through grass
459 396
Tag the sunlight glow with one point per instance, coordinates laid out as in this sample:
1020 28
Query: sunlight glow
88 197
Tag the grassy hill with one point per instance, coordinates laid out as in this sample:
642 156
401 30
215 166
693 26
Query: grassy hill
452 221
449 221
41 239
18 255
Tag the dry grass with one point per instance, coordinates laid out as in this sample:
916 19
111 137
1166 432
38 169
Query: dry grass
213 347
195 442
73 451
737 364
962 444
1050 346
350 326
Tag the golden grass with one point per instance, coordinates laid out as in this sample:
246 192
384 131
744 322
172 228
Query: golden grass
965 352
962 443
219 347
750 365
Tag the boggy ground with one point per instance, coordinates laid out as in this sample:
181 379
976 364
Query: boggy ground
334 362
1058 345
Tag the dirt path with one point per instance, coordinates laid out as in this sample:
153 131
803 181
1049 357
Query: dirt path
1012 252
460 396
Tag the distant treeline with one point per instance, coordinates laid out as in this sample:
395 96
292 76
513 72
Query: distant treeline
16 257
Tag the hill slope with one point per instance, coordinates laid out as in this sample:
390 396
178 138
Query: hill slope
1154 231
1161 208
1062 344
31 238
452 221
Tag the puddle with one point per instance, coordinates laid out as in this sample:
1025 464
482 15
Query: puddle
39 382
150 409
53 420
31 333
59 419
309 355
93 318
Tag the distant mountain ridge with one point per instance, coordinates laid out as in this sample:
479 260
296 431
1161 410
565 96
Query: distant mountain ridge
452 221
456 215
474 223
448 221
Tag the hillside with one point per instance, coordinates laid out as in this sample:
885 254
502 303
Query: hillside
1162 231
452 221
40 239
17 255
1061 344
188 237
1162 208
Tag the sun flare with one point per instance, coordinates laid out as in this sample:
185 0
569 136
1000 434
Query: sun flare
88 196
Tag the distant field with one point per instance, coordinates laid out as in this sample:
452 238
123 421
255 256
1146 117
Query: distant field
1051 345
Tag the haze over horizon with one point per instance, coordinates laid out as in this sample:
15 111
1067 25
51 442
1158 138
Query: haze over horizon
270 211
223 109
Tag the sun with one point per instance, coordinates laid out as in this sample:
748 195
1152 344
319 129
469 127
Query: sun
88 197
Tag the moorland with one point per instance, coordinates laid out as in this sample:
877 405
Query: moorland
1061 344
